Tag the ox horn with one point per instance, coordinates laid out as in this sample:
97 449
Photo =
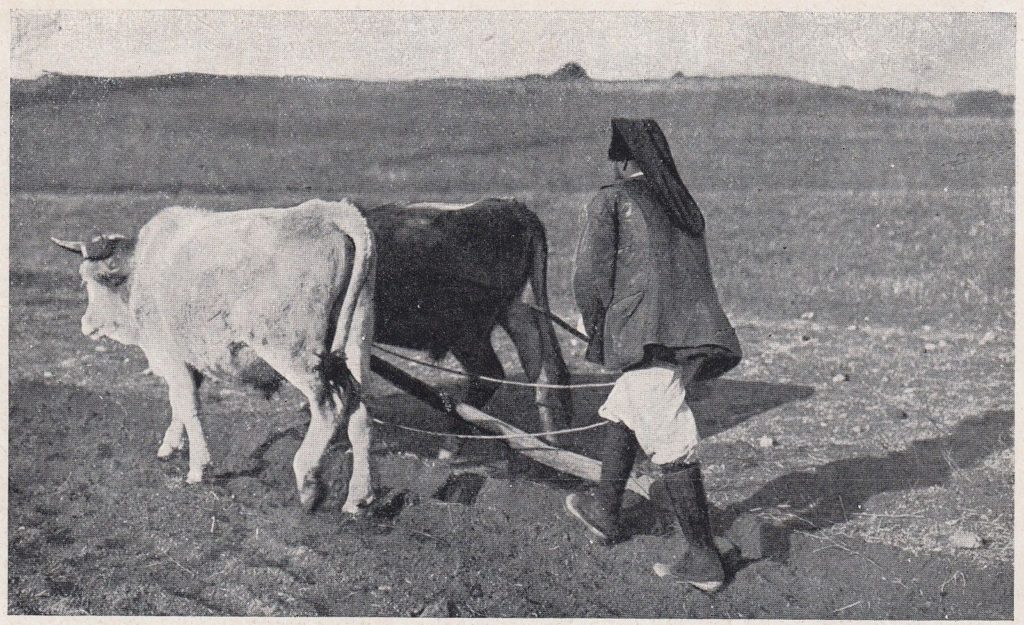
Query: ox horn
98 248
75 246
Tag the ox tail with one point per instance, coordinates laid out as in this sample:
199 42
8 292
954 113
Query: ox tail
354 225
539 285
359 264
538 261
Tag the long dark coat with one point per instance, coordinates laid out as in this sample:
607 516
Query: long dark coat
644 286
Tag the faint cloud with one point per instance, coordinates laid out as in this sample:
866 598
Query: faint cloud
31 29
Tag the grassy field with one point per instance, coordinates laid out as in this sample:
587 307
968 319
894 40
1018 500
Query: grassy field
862 245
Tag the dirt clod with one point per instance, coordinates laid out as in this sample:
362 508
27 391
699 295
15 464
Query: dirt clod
726 547
963 539
389 505
755 537
440 608
461 488
896 414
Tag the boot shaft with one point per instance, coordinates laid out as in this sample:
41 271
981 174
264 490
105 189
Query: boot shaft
599 511
680 494
617 457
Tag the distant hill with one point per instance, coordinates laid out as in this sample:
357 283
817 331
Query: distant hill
754 90
570 71
983 103
55 87
747 81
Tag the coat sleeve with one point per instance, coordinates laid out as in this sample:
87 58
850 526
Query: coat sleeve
594 276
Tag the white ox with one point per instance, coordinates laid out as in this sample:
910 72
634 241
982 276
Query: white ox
254 295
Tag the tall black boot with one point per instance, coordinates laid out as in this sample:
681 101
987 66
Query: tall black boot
599 511
680 492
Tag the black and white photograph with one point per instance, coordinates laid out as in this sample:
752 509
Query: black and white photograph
626 312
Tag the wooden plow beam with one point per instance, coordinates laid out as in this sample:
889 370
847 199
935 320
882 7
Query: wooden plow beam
530 446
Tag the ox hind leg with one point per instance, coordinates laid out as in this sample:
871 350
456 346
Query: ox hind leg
174 439
477 357
332 387
325 418
323 423
300 370
538 349
357 359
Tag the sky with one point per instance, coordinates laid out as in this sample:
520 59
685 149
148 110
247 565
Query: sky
932 52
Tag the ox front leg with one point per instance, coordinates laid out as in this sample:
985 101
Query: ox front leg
183 389
174 439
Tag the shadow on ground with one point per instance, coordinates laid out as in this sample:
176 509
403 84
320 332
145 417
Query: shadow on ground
824 496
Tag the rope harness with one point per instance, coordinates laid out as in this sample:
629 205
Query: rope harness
448 403
485 378
489 436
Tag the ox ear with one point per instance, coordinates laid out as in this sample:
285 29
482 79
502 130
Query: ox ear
74 246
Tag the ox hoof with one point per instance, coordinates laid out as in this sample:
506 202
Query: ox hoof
166 451
450 448
310 495
194 476
358 506
554 441
353 509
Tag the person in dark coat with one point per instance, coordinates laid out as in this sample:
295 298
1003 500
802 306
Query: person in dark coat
648 303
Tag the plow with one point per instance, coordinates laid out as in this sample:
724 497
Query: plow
529 445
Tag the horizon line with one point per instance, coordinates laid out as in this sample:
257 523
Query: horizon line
550 77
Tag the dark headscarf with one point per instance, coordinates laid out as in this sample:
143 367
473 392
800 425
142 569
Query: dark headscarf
641 141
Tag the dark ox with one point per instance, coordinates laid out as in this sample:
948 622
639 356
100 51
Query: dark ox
449 274
256 294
